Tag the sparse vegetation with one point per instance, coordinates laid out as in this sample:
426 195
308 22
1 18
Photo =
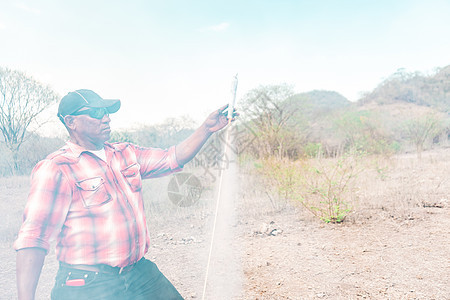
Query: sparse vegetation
308 146
364 131
327 187
280 179
276 126
422 128
324 186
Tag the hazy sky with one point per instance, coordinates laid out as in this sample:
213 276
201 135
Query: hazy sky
171 58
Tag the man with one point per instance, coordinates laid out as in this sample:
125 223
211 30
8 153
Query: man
88 196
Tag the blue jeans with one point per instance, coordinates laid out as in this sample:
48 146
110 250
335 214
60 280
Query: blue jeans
144 281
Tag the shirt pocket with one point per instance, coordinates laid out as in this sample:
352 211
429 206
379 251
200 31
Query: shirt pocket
93 192
133 176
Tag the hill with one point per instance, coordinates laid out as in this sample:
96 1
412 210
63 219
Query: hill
317 103
382 120
424 90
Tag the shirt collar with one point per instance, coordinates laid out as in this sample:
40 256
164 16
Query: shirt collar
77 149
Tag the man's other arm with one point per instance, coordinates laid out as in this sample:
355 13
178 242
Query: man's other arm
29 262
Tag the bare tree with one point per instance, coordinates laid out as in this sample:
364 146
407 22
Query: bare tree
22 99
420 129
272 121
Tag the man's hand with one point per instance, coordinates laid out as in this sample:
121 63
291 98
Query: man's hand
218 119
187 149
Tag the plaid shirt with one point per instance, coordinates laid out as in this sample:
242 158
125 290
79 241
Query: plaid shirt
94 208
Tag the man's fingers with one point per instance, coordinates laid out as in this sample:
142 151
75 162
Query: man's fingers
225 113
222 109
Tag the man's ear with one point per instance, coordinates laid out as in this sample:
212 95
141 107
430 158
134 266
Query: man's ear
69 121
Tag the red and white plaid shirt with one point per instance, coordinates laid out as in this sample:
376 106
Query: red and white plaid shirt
94 208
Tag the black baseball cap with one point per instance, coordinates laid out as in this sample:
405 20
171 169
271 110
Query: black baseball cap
73 101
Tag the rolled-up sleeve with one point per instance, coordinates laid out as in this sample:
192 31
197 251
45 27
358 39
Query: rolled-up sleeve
47 206
155 162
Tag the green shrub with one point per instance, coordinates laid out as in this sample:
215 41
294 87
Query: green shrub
324 186
312 149
328 185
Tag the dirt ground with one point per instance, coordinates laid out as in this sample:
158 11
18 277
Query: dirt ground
394 245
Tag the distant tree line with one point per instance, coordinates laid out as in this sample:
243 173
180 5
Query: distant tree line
170 132
414 87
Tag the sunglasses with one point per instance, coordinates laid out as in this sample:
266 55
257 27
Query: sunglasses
96 113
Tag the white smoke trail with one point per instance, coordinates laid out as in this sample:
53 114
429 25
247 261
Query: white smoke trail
223 270
224 279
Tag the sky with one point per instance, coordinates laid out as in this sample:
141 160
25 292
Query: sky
178 58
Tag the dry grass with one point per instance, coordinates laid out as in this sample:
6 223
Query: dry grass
393 245
405 186
13 192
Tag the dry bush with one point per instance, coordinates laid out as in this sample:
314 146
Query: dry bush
420 129
324 186
327 187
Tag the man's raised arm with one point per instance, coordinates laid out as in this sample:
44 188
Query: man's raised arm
186 150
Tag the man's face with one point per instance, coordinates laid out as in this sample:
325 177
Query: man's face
90 130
